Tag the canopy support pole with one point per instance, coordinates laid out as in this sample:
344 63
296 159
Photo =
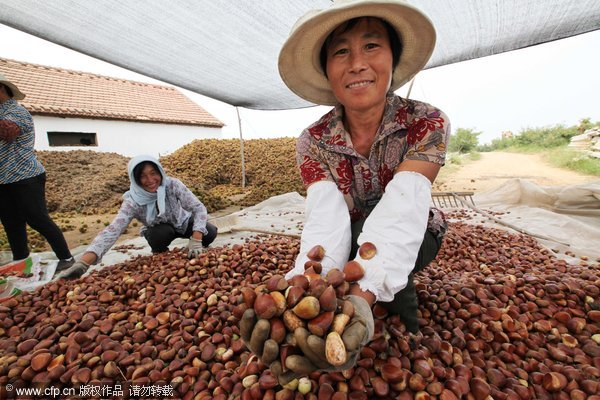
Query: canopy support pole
412 81
241 148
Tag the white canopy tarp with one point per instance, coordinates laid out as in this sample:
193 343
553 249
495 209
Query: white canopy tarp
228 50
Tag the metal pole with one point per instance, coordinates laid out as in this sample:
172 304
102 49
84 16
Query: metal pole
241 148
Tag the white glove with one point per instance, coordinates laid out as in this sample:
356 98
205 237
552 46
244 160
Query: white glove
194 247
328 224
396 227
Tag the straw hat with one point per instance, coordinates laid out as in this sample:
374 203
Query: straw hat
299 64
17 95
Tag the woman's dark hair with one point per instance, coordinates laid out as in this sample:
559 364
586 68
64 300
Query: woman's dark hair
137 170
395 43
8 90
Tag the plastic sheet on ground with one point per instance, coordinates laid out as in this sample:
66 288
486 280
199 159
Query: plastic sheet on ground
283 214
568 216
26 274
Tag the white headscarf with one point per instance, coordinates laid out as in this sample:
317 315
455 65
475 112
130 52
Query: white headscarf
140 195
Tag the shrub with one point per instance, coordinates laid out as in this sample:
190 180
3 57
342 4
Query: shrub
463 141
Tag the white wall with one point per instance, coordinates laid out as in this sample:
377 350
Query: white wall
127 138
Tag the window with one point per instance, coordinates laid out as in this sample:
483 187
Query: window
72 139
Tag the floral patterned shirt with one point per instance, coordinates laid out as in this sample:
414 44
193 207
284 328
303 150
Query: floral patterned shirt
180 203
410 130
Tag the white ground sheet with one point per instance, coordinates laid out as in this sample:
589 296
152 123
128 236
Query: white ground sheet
569 216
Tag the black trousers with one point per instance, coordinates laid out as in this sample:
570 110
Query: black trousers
23 203
160 236
405 302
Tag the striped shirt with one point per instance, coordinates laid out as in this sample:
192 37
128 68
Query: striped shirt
17 157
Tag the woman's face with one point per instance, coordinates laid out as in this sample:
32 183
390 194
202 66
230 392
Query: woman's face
359 65
150 178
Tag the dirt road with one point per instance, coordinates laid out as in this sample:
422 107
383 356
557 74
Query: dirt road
495 168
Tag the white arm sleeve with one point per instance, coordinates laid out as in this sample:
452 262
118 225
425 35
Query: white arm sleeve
328 224
396 227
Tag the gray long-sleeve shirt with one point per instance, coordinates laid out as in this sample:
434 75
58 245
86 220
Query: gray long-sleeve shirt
180 203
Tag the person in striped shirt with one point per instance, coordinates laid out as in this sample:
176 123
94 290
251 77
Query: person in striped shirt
23 181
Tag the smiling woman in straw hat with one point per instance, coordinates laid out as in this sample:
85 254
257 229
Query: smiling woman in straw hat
23 179
369 163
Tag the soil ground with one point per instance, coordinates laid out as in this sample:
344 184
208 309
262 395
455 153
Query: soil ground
495 168
489 172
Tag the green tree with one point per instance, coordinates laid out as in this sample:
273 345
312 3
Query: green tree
584 125
464 140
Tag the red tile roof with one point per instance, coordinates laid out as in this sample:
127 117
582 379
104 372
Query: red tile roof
67 93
